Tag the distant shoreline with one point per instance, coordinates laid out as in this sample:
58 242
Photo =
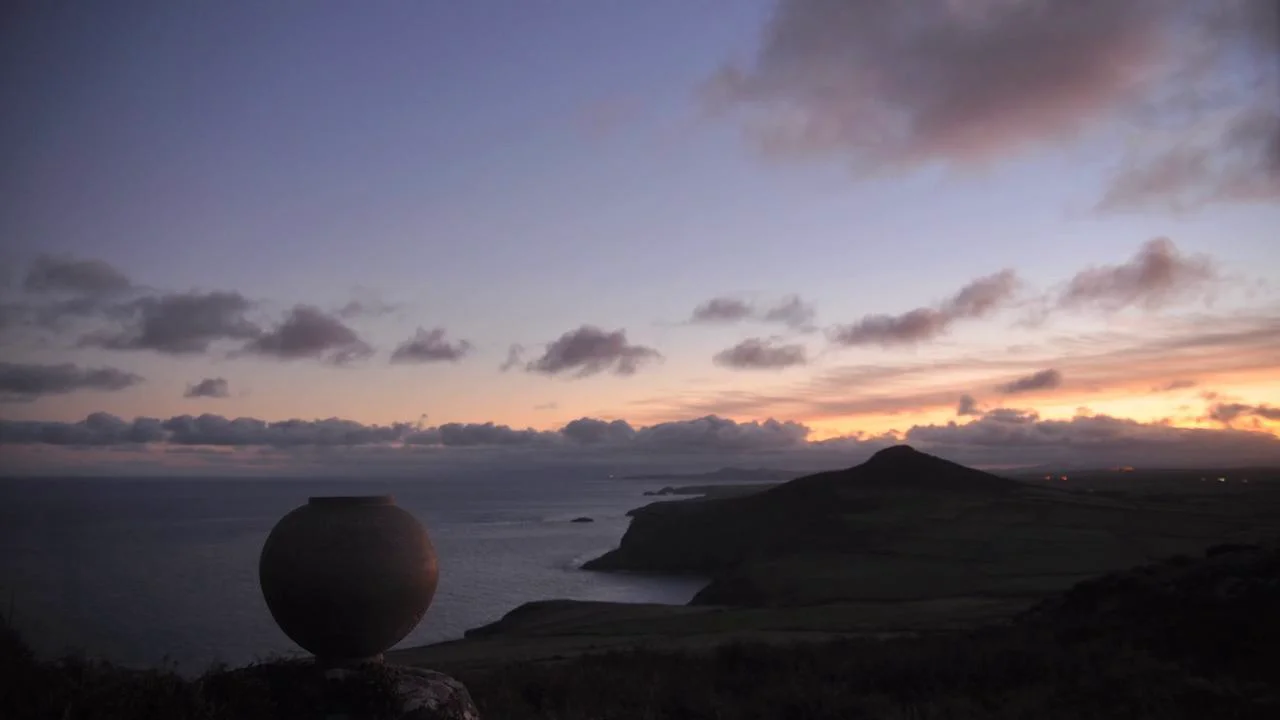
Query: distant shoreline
754 474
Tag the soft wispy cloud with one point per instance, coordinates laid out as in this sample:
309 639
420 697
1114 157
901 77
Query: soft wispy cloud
515 358
62 274
430 346
1116 363
978 299
308 332
1041 380
208 388
1228 413
1235 159
722 310
111 312
179 323
761 354
25 382
893 83
370 307
967 406
1158 275
897 84
791 311
589 350
1174 385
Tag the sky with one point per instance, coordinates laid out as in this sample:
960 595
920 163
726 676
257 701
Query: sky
400 237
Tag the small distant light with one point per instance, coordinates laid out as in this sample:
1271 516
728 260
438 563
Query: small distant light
1063 478
1222 479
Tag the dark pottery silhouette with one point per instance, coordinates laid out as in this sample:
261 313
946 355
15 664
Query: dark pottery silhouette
348 577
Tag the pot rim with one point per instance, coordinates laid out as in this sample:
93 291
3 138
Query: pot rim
352 500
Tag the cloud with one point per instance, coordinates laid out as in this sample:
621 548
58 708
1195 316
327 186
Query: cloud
722 310
892 85
1042 380
895 83
791 311
1228 413
978 299
60 289
489 435
54 315
60 274
760 354
1015 416
967 406
1091 441
179 323
97 429
216 430
1238 160
308 332
429 346
908 328
370 307
515 357
702 434
590 431
982 296
1217 347
1158 275
1174 385
1004 436
589 351
712 433
208 388
21 382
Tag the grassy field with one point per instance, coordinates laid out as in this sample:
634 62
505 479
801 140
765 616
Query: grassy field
1186 638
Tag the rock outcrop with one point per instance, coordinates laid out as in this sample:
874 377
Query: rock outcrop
414 694
429 695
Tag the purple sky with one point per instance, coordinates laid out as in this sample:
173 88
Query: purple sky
577 178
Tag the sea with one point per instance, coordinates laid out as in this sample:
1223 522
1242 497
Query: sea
149 572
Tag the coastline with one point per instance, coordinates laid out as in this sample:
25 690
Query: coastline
942 558
584 625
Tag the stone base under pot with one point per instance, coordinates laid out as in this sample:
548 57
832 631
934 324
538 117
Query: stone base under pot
415 693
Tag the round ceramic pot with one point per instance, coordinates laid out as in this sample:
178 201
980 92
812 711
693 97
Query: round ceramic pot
348 577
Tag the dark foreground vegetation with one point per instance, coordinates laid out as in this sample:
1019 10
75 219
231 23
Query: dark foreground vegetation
1183 638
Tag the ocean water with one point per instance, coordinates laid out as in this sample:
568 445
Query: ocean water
150 571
